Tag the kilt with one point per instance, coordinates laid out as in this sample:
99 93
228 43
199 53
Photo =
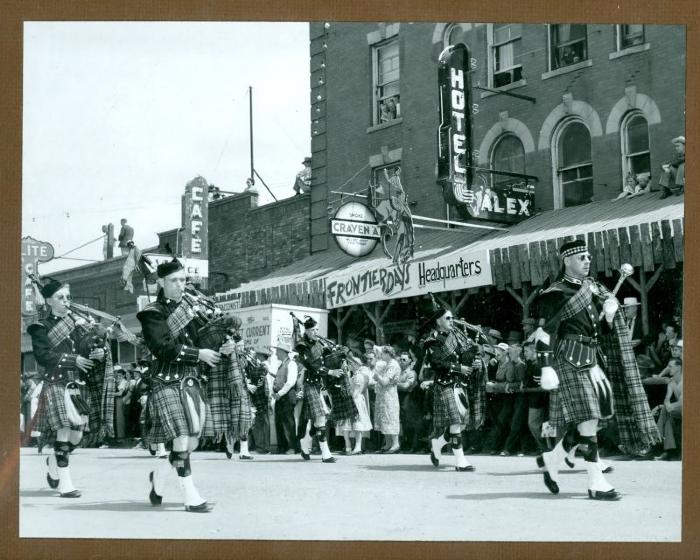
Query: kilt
52 409
343 406
577 399
165 416
92 393
219 397
445 411
241 413
312 403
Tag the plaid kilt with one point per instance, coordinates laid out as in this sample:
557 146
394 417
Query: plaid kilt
241 412
219 397
92 393
312 403
445 411
52 408
343 406
165 416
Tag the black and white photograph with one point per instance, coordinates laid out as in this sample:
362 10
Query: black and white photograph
352 281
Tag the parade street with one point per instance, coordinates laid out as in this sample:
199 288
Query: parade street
367 497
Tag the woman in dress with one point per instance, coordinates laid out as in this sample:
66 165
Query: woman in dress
386 413
359 380
122 388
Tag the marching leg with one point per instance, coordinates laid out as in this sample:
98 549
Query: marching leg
598 487
244 454
436 445
461 463
326 456
305 442
66 488
52 471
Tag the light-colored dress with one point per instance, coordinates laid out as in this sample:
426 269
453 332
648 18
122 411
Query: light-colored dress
386 405
360 397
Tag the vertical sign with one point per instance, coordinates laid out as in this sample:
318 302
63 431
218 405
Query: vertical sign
33 253
195 223
455 173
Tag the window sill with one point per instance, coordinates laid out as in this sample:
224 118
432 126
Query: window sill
514 85
629 50
567 69
382 126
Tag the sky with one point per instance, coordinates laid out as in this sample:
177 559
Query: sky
119 116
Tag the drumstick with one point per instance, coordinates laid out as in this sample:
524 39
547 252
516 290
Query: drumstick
625 270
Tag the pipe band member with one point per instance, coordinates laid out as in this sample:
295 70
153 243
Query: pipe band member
311 353
62 409
590 360
177 411
450 355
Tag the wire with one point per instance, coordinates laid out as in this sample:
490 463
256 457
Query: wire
76 259
355 175
81 246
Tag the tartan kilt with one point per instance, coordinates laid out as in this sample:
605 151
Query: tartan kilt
241 412
312 403
577 399
343 406
445 411
92 393
165 416
52 409
219 397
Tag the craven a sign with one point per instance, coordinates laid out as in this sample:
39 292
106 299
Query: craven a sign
355 229
455 271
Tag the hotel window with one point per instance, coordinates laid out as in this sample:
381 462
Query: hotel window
574 172
636 156
629 36
452 32
568 44
387 105
508 155
505 53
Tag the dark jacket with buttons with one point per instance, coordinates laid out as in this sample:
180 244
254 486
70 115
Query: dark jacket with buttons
173 357
57 361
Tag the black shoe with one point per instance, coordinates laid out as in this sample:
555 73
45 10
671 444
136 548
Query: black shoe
305 456
551 485
151 451
608 469
329 460
72 494
155 499
664 194
201 508
434 460
245 457
610 495
53 482
569 463
468 468
228 455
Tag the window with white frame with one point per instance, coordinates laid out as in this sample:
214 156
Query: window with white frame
568 44
387 104
629 35
574 166
636 156
505 53
508 154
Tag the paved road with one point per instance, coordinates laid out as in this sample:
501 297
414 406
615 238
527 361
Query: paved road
369 497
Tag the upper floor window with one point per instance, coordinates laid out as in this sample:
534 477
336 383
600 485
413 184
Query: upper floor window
387 105
452 33
636 156
568 44
574 165
505 53
629 35
508 155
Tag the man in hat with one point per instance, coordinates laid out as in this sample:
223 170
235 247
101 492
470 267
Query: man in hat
450 355
284 397
176 409
590 360
311 355
673 177
56 342
303 179
258 386
630 306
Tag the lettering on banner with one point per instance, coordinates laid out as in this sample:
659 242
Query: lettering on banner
441 273
389 281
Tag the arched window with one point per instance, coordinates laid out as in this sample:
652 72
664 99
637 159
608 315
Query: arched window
452 33
573 177
508 154
634 133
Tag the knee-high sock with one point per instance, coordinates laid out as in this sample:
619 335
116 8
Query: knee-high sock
305 442
65 483
244 447
554 458
596 480
436 444
160 450
460 460
325 451
190 493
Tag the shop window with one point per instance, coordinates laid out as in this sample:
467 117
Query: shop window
629 36
505 48
568 44
574 165
636 156
387 104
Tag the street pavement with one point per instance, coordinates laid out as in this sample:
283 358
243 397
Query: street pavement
367 497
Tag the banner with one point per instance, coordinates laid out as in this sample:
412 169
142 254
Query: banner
454 271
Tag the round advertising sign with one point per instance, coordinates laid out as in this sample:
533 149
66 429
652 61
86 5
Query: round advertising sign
355 229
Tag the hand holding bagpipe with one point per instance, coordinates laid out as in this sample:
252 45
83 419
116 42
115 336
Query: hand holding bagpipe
611 305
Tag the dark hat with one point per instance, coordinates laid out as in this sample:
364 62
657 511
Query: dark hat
167 268
529 321
50 288
493 333
306 160
143 363
572 247
309 322
429 311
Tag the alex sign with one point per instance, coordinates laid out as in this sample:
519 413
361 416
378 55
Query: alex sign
195 219
454 271
33 253
502 197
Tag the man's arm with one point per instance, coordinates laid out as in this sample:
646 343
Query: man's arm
292 373
160 341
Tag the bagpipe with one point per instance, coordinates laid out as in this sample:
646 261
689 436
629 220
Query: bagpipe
334 355
213 325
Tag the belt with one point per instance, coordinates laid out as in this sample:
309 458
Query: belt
580 338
